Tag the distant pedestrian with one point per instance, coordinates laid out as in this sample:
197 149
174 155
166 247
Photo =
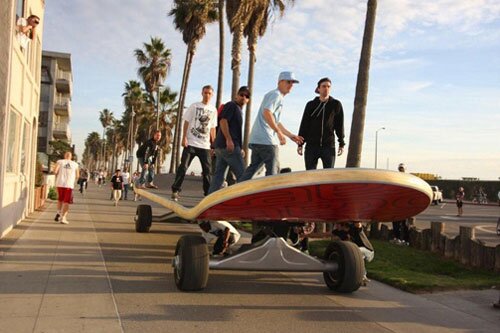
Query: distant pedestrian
117 186
400 230
136 184
67 172
198 133
146 156
229 140
460 200
268 132
126 183
323 118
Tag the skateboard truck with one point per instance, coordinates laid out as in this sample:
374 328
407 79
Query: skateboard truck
271 254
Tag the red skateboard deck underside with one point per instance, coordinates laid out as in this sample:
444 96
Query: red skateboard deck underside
323 202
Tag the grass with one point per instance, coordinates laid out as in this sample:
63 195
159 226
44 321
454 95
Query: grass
418 271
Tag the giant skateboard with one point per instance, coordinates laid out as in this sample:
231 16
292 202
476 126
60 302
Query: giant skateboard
330 195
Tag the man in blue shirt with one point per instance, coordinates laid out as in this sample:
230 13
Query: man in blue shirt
268 131
228 141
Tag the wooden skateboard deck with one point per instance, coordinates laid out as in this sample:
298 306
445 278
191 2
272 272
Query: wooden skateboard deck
328 195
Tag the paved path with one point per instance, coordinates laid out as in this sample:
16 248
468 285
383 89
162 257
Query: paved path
98 275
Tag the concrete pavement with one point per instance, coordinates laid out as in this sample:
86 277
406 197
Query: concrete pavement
97 275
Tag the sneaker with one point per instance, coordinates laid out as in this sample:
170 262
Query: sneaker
175 196
64 221
365 281
57 217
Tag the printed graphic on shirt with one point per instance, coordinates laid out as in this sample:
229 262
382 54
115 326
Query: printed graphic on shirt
200 128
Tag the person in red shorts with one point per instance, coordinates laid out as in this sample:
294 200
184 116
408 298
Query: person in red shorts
67 172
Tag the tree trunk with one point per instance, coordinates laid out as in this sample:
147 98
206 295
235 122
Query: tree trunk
252 46
358 116
175 144
179 135
236 59
220 78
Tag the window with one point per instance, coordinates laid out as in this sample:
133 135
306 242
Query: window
46 75
19 9
12 142
25 147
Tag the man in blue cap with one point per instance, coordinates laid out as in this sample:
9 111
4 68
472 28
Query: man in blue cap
268 132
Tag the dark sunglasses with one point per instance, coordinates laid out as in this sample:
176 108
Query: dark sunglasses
36 22
245 95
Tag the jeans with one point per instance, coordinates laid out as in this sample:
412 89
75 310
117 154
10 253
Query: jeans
225 159
150 170
125 191
188 154
267 155
314 153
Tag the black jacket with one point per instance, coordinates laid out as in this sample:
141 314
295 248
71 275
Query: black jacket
148 151
320 122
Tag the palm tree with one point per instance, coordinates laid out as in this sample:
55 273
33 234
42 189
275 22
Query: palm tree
220 76
262 12
358 116
155 61
190 18
237 13
132 100
106 118
91 154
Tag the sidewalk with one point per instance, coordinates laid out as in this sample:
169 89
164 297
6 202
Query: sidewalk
53 278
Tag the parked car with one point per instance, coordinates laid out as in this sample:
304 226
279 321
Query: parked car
437 195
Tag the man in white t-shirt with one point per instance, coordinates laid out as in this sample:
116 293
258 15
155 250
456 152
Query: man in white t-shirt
26 28
200 121
67 172
223 231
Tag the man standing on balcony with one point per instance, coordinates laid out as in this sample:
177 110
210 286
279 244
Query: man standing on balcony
67 172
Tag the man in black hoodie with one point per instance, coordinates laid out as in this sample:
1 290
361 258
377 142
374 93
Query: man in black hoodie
323 118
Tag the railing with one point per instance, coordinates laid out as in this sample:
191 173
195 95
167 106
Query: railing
62 127
62 100
62 75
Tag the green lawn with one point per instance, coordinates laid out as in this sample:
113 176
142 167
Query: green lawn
419 271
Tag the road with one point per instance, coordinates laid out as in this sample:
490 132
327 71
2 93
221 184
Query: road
483 217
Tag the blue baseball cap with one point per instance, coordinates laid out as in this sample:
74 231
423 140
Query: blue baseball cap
288 76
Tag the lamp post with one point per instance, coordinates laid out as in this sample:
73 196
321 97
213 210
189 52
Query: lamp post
376 144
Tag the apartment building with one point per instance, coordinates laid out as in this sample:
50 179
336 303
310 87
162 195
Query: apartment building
20 69
55 99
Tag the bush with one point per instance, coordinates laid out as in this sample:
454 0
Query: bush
52 193
38 174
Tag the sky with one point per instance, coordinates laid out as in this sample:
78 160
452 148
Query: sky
434 77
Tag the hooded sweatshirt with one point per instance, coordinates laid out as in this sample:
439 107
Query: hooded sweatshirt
321 121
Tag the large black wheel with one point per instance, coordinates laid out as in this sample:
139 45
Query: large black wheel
143 218
351 267
191 263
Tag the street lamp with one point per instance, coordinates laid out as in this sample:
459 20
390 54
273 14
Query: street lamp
376 144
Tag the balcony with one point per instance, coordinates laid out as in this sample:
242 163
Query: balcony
62 106
63 82
61 131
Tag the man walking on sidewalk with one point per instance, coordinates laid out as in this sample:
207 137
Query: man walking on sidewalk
67 172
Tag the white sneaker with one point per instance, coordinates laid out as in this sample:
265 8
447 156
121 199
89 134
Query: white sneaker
64 221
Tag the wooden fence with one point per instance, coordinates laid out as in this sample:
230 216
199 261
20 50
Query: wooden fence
464 247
